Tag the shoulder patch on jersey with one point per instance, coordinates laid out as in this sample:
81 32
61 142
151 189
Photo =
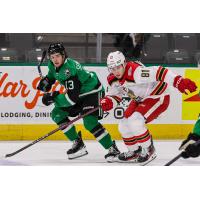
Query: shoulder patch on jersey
111 78
78 65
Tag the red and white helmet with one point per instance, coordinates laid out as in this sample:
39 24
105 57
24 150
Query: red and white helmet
115 59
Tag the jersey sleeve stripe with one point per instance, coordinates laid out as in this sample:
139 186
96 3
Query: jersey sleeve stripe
161 73
160 88
157 74
163 88
69 100
164 74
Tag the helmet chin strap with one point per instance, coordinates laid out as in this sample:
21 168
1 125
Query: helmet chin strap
124 65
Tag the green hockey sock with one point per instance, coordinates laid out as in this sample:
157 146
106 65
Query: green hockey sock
106 141
70 133
102 136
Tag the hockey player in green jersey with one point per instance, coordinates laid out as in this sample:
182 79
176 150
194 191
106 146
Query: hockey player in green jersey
84 91
190 146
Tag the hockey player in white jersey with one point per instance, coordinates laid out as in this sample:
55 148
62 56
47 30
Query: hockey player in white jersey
149 89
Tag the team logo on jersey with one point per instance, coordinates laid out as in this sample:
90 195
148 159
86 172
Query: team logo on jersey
78 65
67 73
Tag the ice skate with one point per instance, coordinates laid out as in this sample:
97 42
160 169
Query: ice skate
78 148
147 155
130 156
112 153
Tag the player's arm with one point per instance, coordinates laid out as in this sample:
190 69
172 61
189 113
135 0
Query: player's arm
71 97
67 99
113 97
159 73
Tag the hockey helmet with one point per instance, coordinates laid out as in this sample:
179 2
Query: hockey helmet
56 48
115 59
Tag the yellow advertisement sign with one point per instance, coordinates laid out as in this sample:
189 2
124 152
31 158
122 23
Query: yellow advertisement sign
191 102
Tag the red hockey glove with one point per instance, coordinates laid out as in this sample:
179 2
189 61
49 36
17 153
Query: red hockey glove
184 84
106 104
131 108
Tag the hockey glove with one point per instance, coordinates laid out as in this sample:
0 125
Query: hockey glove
183 84
44 84
131 108
106 104
48 98
192 138
192 150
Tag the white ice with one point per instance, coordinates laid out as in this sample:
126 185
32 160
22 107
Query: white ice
53 153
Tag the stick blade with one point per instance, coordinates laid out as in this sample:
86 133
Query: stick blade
10 154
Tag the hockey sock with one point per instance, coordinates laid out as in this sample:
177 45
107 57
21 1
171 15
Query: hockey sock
71 133
102 136
144 139
131 143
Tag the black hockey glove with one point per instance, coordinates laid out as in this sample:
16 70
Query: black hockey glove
192 138
45 84
48 98
192 150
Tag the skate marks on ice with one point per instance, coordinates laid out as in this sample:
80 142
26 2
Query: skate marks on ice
53 153
6 162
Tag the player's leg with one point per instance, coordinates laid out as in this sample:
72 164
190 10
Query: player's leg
92 124
78 149
150 109
102 136
135 134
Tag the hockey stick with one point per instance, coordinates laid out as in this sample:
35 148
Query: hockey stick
179 156
41 61
61 127
174 159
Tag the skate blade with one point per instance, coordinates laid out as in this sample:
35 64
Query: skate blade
153 156
77 154
112 159
126 161
116 159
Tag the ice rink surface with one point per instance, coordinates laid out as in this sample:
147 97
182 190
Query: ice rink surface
53 153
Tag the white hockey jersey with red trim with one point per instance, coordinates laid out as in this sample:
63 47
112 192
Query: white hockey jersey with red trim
143 81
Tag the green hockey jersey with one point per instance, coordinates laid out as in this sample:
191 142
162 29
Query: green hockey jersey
78 82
